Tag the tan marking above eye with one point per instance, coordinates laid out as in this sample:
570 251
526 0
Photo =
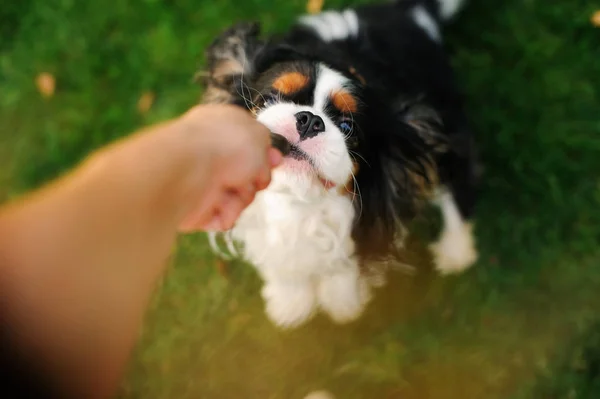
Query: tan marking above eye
290 82
344 101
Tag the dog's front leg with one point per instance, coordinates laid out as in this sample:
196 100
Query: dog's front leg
344 295
289 303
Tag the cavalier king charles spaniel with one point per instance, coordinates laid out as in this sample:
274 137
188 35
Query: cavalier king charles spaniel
367 99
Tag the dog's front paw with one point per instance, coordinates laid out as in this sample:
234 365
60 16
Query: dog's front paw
289 305
344 296
455 251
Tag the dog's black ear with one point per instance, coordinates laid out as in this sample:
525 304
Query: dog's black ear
229 58
398 173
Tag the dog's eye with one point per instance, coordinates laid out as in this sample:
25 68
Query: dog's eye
346 126
269 99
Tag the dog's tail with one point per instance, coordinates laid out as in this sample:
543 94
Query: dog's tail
447 9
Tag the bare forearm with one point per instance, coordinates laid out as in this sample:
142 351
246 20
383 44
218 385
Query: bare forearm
121 206
80 258
76 287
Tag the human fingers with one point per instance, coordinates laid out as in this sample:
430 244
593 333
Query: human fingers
198 221
264 175
202 210
275 157
247 194
215 224
230 210
263 178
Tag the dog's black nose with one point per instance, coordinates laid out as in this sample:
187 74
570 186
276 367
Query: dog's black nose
308 124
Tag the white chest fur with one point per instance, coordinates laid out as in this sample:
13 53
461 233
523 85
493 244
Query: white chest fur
288 237
303 250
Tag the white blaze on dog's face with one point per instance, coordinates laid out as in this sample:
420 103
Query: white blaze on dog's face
313 107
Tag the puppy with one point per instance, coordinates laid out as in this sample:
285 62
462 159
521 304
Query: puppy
368 101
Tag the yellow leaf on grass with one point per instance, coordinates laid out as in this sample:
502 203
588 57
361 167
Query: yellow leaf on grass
46 84
145 102
596 19
314 6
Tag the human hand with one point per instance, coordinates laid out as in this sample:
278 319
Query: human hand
239 162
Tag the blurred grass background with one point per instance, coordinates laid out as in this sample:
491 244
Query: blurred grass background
522 324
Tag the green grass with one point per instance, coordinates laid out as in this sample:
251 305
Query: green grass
522 324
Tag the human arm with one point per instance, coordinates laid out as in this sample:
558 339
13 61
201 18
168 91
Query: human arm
80 257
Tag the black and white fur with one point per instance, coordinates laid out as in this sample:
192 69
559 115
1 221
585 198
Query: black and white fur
409 143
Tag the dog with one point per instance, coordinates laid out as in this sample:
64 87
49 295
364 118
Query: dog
368 101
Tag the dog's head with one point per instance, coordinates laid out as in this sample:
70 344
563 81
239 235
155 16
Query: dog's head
346 135
314 107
